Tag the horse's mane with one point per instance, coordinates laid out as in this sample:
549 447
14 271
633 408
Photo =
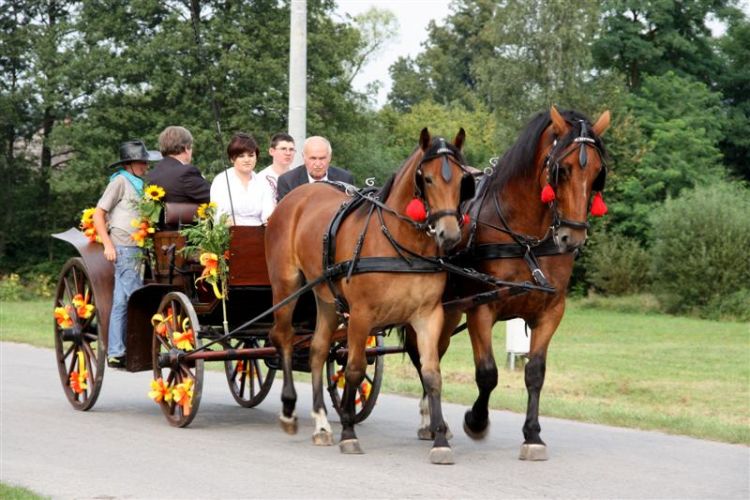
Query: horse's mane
519 159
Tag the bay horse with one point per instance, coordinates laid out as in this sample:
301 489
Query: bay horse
396 293
529 219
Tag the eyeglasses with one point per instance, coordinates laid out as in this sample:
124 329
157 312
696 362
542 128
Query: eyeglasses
286 150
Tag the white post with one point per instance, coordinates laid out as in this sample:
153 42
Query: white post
298 76
517 341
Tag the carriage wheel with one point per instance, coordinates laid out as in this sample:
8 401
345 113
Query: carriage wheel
368 391
249 379
181 380
80 352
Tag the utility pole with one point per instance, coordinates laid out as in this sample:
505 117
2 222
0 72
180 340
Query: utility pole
298 76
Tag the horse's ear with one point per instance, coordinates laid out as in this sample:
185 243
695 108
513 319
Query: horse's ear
559 125
459 140
602 124
424 139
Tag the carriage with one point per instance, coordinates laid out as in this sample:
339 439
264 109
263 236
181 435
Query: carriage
519 236
250 362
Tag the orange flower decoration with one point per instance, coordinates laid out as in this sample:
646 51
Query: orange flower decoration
364 390
84 310
160 323
78 377
160 391
182 394
62 316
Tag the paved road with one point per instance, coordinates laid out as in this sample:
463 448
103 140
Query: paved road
123 448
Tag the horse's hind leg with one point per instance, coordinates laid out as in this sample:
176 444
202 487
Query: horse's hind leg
326 323
282 336
476 420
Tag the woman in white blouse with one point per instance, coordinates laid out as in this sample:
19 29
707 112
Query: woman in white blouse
238 191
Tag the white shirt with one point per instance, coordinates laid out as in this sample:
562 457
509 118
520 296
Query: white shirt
270 180
311 180
252 205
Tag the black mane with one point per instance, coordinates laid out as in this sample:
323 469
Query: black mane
519 159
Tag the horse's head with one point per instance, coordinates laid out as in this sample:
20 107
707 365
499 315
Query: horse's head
573 168
440 184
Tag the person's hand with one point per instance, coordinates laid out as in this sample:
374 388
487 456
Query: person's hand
109 253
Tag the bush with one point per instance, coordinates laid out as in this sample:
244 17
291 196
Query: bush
11 288
617 265
701 247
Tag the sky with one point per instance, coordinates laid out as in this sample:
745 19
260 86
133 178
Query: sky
413 17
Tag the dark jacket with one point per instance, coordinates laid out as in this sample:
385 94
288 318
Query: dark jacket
298 177
182 182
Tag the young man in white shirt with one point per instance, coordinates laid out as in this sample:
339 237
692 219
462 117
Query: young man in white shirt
282 151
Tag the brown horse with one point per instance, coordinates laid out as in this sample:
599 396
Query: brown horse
515 236
398 292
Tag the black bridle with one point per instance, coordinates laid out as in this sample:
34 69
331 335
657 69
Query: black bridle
558 153
449 155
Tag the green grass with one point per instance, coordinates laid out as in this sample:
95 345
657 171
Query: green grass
8 492
650 371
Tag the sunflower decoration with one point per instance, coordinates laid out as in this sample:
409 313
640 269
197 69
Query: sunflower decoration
160 391
87 225
154 192
205 210
149 209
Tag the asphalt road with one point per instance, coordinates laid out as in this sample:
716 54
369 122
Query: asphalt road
123 448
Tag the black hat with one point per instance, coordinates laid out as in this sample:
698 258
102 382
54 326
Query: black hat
135 151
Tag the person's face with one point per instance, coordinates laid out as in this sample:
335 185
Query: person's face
282 154
317 159
245 162
138 168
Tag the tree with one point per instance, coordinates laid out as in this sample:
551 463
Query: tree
734 84
681 123
654 36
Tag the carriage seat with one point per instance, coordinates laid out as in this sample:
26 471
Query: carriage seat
168 242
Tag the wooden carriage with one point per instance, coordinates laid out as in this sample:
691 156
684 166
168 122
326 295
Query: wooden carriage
170 289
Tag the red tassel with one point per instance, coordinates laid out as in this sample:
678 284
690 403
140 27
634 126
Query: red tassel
466 219
548 194
416 211
598 207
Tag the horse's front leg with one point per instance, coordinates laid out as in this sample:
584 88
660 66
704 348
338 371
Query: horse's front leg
533 448
451 320
319 348
428 330
480 321
356 363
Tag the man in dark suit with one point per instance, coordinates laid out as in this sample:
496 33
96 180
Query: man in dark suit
181 180
317 156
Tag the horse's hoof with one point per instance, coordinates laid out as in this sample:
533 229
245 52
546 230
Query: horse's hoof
441 455
323 438
477 435
533 452
425 434
288 424
350 447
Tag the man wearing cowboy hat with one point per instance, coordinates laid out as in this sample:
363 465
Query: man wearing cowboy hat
112 219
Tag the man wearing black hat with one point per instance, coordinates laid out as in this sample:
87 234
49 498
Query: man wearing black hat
114 213
181 180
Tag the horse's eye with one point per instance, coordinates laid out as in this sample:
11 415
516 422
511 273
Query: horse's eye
428 180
